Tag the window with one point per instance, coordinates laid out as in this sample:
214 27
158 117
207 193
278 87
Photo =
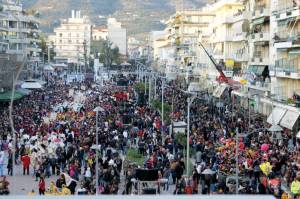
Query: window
69 41
60 41
60 34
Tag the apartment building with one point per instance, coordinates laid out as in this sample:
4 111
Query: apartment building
260 38
20 29
3 30
183 30
228 40
285 71
72 39
99 33
117 35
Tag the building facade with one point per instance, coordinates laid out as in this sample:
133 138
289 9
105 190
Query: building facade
99 33
117 35
72 39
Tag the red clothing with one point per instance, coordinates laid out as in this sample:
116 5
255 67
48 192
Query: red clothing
42 185
188 189
26 161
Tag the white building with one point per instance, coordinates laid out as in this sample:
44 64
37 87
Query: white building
20 30
72 39
99 33
117 35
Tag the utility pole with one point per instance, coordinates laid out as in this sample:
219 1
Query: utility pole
85 56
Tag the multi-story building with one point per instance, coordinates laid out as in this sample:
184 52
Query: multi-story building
99 33
3 30
260 38
286 69
117 35
183 30
72 39
20 29
228 40
19 38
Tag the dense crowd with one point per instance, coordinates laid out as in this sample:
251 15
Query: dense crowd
56 138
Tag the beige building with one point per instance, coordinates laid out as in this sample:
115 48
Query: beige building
228 40
72 39
286 69
99 33
183 30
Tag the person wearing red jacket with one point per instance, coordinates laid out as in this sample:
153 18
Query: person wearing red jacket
26 163
42 186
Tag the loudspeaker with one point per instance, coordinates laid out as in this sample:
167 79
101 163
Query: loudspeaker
149 191
147 174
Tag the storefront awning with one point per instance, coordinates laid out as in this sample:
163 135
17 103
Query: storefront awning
6 96
218 92
260 20
295 51
276 115
289 119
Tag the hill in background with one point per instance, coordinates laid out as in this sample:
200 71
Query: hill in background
138 16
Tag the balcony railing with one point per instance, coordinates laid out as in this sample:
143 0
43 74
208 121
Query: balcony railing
260 36
285 35
287 65
285 5
260 11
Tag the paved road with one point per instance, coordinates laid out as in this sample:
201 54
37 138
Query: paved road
22 185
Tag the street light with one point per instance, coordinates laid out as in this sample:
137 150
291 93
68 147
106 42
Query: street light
97 109
193 90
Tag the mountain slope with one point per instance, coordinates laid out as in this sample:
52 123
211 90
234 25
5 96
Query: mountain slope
138 16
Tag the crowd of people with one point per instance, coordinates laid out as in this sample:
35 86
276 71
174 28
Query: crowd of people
56 138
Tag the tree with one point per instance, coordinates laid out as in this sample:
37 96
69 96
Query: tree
44 48
109 54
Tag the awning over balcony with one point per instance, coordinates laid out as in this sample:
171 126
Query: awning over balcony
289 119
260 20
276 115
295 51
286 21
256 69
261 43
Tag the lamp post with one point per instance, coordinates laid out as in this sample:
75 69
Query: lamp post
190 101
162 101
193 90
97 109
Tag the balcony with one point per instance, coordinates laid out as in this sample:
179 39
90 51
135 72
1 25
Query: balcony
286 68
261 36
260 85
13 39
241 36
241 57
284 6
239 16
261 11
260 60
286 39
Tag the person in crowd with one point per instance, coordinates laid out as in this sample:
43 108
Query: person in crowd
42 186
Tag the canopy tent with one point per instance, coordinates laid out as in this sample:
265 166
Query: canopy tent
289 119
24 91
31 84
179 127
125 64
60 65
276 115
48 68
6 96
